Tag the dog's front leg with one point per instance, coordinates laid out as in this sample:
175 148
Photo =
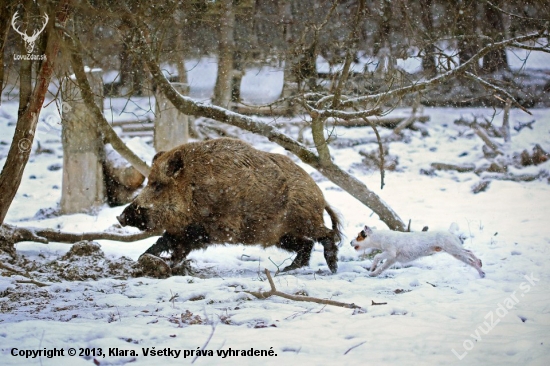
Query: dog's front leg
383 267
377 258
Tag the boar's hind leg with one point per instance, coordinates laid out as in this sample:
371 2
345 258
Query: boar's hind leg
301 246
331 253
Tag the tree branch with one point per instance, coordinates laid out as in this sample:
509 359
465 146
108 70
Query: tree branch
331 171
480 131
496 88
531 48
9 268
15 234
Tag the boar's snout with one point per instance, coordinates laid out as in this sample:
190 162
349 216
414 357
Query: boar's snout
136 216
122 219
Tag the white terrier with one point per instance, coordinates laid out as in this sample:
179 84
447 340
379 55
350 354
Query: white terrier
405 247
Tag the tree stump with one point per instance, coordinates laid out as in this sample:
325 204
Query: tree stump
83 187
171 126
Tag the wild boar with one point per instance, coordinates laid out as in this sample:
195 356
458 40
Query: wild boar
225 191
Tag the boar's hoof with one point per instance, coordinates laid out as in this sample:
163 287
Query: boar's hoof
183 269
155 267
291 267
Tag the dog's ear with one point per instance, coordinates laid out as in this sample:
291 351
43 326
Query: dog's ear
368 230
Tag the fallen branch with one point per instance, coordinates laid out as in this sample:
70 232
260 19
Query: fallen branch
15 234
9 268
274 292
521 125
480 131
404 124
481 186
459 168
357 345
34 282
514 177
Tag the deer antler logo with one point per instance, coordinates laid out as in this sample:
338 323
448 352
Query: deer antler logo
29 41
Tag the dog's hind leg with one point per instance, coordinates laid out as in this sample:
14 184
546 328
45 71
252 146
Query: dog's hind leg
467 257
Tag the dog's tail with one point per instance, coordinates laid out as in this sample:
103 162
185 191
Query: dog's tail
336 224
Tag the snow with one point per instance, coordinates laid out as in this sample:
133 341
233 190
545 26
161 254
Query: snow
434 310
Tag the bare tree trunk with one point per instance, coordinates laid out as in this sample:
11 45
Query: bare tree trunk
180 56
495 60
131 68
171 126
181 52
226 48
382 38
428 60
5 15
125 66
466 30
83 186
290 84
237 77
19 152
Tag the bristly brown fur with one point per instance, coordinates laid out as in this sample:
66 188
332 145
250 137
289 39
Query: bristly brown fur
225 191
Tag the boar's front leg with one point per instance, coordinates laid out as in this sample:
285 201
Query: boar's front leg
165 243
194 237
180 245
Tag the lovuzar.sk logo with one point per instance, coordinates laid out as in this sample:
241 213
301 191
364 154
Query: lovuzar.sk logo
29 40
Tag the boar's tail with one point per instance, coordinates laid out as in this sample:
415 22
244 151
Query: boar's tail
336 224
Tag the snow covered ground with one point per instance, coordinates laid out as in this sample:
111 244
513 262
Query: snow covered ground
435 310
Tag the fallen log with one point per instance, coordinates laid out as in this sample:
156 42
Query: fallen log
515 177
464 168
119 169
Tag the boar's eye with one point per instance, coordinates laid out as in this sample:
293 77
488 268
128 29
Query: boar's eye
157 187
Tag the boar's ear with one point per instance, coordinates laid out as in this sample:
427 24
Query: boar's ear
157 155
175 164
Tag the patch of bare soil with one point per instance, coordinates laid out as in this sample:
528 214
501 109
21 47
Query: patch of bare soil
84 261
